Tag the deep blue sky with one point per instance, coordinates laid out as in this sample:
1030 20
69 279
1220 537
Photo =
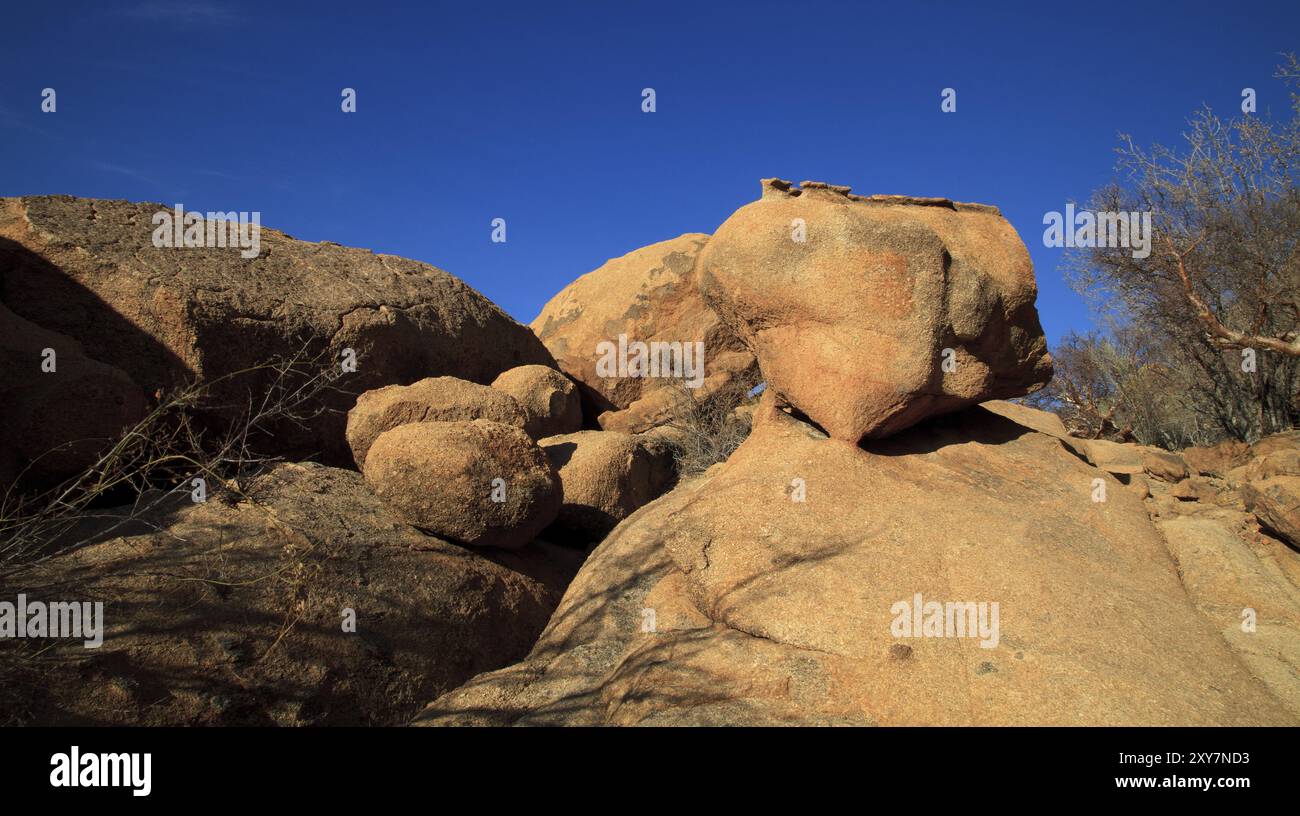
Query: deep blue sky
532 112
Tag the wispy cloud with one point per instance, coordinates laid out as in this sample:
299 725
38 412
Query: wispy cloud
12 119
108 167
181 12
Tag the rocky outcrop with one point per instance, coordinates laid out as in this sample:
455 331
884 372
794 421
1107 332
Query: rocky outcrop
1276 504
302 602
1113 457
868 314
435 399
791 584
1276 455
88 269
1163 464
61 409
648 295
1238 584
478 483
550 400
1216 460
606 476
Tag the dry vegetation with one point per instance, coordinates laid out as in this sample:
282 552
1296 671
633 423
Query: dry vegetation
706 429
161 455
1202 339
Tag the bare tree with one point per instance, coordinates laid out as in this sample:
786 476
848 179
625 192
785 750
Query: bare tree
1221 284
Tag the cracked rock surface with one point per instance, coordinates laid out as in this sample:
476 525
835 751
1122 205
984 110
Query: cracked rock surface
88 269
728 601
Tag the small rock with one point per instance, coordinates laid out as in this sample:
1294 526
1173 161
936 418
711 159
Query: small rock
1163 465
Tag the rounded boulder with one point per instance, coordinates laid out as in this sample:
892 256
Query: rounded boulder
434 399
481 483
607 475
550 400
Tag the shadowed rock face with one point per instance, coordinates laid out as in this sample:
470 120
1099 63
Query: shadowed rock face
650 294
850 325
88 269
47 431
606 475
771 610
232 613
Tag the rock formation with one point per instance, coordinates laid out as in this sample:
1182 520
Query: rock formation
61 408
236 612
435 399
950 564
649 295
868 314
88 269
879 550
606 476
478 483
770 592
549 399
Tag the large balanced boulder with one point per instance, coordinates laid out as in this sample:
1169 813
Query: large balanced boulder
606 476
303 601
434 399
649 295
550 400
60 409
868 314
794 585
89 269
479 483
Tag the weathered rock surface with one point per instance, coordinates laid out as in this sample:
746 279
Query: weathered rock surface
729 601
1163 465
1195 488
1216 460
233 613
549 399
88 269
1283 442
1243 591
606 476
850 326
434 399
1114 457
1276 503
1276 463
650 294
54 424
479 483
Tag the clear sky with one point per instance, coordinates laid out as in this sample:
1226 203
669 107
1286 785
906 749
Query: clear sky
531 112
